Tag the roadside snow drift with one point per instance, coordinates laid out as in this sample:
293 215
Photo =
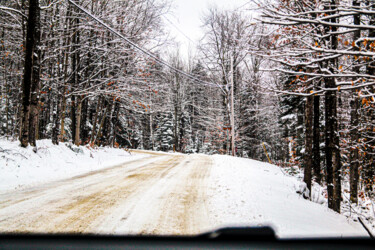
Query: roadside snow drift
247 192
20 167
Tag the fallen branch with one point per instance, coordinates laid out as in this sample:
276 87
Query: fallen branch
7 151
365 227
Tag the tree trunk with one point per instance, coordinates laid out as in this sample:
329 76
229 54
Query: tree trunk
300 125
151 124
332 139
7 89
308 141
107 127
63 114
78 113
152 131
176 125
354 152
332 150
56 123
73 117
316 140
84 120
35 85
76 100
67 42
99 108
98 134
28 84
115 122
368 164
354 121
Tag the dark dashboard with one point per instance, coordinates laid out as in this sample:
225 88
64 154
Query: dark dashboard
229 238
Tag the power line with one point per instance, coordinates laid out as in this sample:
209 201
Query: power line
239 7
186 36
179 30
157 59
197 46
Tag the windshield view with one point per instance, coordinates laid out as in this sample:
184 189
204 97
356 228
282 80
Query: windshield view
174 117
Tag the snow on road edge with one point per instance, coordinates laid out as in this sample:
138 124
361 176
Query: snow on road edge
246 192
22 167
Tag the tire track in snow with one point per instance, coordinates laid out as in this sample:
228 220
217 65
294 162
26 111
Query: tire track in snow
73 204
178 205
191 197
163 194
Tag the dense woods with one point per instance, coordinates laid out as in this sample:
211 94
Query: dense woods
302 74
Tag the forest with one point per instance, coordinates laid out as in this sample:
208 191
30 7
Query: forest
291 79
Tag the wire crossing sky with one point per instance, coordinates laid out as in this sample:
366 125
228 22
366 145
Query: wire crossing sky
185 20
144 51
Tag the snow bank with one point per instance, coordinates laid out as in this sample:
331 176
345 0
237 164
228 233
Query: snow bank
250 193
22 167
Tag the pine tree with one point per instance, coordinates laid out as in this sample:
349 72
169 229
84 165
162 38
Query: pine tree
164 133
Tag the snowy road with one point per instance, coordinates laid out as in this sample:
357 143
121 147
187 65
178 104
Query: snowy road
172 194
160 194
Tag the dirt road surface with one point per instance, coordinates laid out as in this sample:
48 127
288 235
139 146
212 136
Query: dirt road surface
160 194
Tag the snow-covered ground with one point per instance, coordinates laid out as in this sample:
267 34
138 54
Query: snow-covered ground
248 192
22 167
165 193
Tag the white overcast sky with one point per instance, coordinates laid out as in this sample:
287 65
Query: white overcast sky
186 16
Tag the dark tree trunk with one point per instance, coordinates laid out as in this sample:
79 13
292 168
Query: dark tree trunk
354 152
99 108
308 141
332 151
67 42
176 125
34 107
331 131
115 120
73 117
354 121
85 116
31 74
56 123
85 109
369 164
78 113
300 125
102 121
316 140
107 128
76 101
63 114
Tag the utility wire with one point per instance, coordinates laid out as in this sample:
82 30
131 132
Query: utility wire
242 6
196 45
179 30
157 59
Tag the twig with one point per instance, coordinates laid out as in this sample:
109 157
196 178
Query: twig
372 204
20 155
282 171
350 205
50 5
365 227
3 150
13 10
11 152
